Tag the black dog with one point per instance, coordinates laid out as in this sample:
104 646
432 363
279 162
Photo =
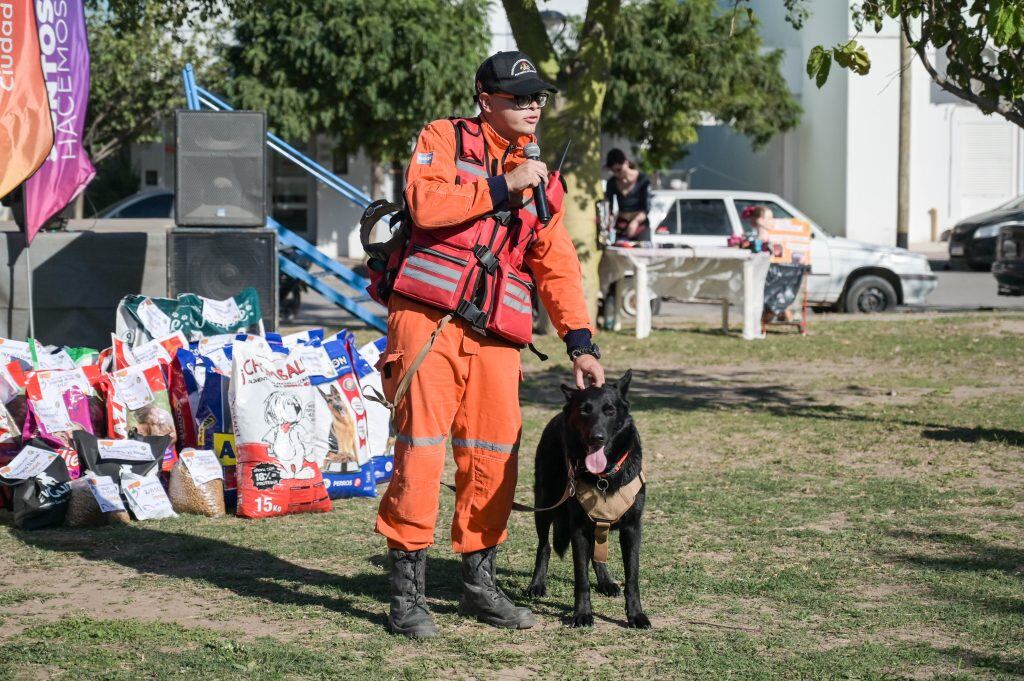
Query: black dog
594 440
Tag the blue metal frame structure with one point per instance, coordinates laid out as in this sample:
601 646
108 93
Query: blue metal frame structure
196 97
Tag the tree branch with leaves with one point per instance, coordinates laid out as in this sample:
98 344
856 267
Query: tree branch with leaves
982 42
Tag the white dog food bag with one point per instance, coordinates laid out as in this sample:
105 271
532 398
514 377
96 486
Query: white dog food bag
280 434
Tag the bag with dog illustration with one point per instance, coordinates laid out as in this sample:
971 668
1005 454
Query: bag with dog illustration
280 446
380 439
349 446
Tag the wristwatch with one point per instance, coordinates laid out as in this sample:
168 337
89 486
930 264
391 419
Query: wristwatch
589 349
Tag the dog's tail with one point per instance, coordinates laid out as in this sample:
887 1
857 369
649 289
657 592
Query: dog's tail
560 537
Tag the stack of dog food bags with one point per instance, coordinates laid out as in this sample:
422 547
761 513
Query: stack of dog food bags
190 410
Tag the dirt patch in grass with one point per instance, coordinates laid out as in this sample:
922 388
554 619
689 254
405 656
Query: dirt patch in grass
106 591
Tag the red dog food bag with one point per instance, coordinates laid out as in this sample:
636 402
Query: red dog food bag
279 444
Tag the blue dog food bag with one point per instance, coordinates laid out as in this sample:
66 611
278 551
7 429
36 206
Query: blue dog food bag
383 467
357 484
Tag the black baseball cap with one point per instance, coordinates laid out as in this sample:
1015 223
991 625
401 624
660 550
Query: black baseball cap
512 73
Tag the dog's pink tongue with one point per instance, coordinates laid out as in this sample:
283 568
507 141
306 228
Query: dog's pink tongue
596 461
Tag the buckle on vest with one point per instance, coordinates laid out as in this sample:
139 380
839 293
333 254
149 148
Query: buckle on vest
503 217
486 258
472 314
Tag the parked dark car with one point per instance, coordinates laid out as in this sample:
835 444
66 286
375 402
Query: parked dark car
1009 265
973 239
152 203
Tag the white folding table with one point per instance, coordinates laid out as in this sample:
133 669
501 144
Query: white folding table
723 275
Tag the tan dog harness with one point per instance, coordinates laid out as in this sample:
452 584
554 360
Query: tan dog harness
605 509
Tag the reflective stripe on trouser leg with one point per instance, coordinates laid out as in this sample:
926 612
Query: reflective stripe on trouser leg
408 510
485 440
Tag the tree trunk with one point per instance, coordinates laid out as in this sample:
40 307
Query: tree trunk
903 159
576 117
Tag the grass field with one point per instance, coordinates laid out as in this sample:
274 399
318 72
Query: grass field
846 505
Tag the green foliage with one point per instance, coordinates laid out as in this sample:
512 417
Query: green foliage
819 63
983 41
674 62
849 55
135 71
368 73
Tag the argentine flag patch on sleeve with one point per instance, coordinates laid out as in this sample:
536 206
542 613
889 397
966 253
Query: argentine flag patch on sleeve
425 158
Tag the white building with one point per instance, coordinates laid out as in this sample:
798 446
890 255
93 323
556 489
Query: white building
839 165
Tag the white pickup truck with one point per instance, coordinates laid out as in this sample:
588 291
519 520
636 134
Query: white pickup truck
846 275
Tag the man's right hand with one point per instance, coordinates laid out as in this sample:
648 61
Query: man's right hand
529 174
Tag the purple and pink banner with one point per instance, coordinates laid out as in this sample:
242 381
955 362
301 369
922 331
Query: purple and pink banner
64 52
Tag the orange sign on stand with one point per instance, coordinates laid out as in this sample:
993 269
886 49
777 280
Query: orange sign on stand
791 245
795 238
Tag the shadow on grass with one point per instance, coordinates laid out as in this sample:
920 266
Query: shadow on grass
1013 438
979 660
683 390
253 573
249 573
962 553
972 554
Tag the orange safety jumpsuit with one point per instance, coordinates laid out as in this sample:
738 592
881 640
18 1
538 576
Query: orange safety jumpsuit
468 385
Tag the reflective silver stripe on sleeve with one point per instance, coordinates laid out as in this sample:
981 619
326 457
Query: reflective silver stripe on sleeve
516 292
484 444
434 267
479 171
419 441
508 301
427 278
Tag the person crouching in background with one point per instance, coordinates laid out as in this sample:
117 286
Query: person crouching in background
628 193
779 291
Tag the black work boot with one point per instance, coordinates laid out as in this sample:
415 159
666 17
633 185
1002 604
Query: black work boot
409 614
481 597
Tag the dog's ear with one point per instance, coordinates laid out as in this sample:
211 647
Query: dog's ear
622 385
568 391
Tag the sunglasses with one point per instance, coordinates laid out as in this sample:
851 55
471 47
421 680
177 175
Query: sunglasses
524 101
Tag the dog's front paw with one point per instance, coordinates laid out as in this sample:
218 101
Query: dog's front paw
581 620
609 589
638 621
537 590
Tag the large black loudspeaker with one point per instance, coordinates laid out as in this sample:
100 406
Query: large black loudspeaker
218 263
220 169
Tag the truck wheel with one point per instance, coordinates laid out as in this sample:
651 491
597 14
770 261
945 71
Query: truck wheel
869 294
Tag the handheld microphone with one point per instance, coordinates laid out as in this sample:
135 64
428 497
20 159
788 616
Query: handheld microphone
540 197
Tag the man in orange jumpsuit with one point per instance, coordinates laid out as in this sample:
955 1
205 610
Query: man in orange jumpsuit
468 384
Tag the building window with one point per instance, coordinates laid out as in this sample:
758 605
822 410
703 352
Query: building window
339 161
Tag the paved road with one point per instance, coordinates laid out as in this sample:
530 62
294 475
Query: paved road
965 289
